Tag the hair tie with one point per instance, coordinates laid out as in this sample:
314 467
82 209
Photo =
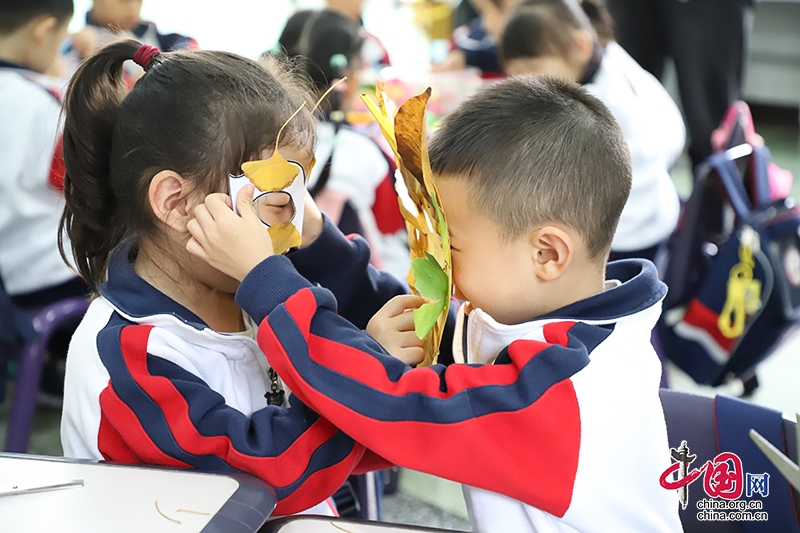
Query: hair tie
144 56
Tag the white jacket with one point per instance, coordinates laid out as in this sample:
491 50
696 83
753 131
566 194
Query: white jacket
562 433
654 130
30 206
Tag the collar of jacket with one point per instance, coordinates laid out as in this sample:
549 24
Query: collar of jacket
479 338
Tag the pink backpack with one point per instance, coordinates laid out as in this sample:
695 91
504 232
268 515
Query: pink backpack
736 129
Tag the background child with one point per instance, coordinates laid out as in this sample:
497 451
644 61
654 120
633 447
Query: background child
373 53
475 42
32 170
556 37
111 20
533 175
353 181
165 368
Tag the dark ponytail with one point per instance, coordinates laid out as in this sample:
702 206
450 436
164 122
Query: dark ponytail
91 107
326 45
542 27
200 114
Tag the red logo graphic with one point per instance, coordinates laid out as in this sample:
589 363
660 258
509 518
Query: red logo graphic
722 476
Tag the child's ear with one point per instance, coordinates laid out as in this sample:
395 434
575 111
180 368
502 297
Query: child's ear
584 45
43 27
169 199
552 250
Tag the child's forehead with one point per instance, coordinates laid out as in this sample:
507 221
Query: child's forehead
302 154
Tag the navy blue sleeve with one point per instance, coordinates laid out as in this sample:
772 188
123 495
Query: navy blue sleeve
341 265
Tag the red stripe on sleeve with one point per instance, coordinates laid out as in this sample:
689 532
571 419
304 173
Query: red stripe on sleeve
530 455
370 371
279 471
122 437
351 362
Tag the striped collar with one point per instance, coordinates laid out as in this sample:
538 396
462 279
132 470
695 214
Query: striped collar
136 298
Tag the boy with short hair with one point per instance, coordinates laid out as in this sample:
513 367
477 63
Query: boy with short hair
556 416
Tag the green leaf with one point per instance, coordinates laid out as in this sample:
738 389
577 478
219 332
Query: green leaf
425 318
431 282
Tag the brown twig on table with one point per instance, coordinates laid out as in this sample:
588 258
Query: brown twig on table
192 512
165 516
341 528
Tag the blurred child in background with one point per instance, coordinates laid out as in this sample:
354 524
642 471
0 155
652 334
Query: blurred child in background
353 180
32 169
475 42
373 53
110 20
575 41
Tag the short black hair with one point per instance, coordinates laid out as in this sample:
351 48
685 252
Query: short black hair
16 13
543 28
535 150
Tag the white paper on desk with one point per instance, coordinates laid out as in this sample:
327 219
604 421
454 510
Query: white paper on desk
113 498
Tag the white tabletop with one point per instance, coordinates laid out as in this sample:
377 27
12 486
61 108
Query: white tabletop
114 498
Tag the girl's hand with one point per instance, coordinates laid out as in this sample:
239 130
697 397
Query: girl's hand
393 328
233 244
312 221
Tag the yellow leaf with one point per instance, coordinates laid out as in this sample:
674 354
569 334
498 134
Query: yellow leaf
284 237
273 174
383 121
427 228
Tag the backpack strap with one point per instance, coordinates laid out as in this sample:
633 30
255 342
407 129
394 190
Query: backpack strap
731 182
735 418
759 176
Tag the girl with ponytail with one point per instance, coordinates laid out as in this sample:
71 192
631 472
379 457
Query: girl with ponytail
574 40
354 182
166 368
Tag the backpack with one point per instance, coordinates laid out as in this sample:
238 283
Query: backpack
733 270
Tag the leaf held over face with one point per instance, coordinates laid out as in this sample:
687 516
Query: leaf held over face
428 237
432 284
284 237
273 174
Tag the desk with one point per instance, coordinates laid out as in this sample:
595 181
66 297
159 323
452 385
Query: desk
129 498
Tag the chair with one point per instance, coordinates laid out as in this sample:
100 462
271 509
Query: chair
721 424
30 353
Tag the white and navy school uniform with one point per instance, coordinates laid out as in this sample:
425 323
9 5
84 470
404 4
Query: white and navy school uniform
553 425
653 128
31 177
148 382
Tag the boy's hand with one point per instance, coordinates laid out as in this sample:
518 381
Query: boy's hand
393 328
233 244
